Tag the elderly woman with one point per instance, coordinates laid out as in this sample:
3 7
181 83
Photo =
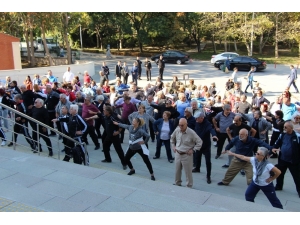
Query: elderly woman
181 104
264 173
296 122
163 128
4 99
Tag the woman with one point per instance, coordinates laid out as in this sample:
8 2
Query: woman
262 178
296 122
141 113
163 128
74 85
181 104
106 87
77 81
125 73
191 85
137 144
86 77
28 83
7 82
4 99
278 123
204 90
69 93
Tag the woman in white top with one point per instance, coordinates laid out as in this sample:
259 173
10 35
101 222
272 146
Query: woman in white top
234 75
264 173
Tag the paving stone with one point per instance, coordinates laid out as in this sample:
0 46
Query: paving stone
19 179
89 198
6 173
58 204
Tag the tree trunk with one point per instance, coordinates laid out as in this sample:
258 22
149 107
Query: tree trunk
214 44
32 59
299 49
261 43
46 46
27 45
248 48
97 39
225 44
69 53
235 46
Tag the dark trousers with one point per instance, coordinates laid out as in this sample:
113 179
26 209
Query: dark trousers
2 135
115 140
23 129
125 78
91 131
148 73
198 157
250 83
42 134
274 138
71 144
222 138
98 123
126 121
295 172
161 73
294 84
140 73
145 158
268 190
167 146
52 116
135 79
152 135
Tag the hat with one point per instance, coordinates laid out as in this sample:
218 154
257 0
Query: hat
189 109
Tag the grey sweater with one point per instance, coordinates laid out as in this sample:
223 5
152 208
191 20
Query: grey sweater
135 134
146 117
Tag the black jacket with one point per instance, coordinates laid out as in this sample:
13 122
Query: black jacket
75 123
109 127
28 99
118 70
41 115
51 101
148 65
204 130
6 101
161 63
162 108
295 146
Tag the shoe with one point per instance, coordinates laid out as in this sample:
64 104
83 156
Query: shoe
171 161
105 161
177 185
245 91
147 79
196 170
225 166
35 151
124 167
152 178
217 156
50 153
221 183
97 147
208 180
131 172
86 142
3 143
242 173
10 144
278 188
155 157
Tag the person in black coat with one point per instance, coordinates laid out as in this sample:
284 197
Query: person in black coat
139 65
118 69
165 107
204 129
28 99
161 66
148 67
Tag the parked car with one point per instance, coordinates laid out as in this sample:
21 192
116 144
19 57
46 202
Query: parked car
243 63
222 56
172 56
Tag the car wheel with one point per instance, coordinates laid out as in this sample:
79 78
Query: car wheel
178 61
220 66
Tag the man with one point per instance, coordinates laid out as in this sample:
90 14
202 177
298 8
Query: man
204 129
243 106
148 67
68 76
62 102
150 110
232 131
191 121
87 108
244 145
259 99
79 100
161 66
250 78
105 70
287 107
289 156
221 121
111 136
28 99
118 69
195 108
64 126
51 78
21 123
76 128
135 72
39 113
139 65
184 142
51 102
292 79
103 78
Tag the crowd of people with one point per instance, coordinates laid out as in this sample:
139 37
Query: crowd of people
186 119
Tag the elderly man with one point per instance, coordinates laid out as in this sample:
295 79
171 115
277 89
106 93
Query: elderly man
28 99
292 79
79 100
188 115
184 142
39 112
243 106
62 102
68 76
51 78
204 129
289 156
51 102
246 146
221 121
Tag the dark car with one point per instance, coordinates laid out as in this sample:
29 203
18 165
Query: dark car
243 63
172 56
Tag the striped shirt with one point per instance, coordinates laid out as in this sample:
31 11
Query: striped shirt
224 121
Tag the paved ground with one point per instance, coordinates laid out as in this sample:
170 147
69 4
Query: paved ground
46 184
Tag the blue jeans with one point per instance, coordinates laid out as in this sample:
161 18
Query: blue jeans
268 190
250 83
167 146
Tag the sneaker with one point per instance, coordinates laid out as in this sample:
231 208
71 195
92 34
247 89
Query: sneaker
10 144
3 143
171 161
195 170
217 156
131 172
50 153
152 178
208 180
242 173
221 183
105 161
225 166
97 147
215 143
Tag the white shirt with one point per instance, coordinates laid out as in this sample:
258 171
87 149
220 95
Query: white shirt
165 131
1 101
68 76
265 174
234 77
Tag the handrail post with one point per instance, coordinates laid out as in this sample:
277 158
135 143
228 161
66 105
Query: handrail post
58 154
86 154
38 138
13 115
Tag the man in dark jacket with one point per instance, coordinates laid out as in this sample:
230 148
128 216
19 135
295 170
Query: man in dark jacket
165 107
148 67
139 65
118 69
289 156
204 129
28 99
111 136
51 102
161 66
39 113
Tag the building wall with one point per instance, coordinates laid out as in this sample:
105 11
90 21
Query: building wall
6 51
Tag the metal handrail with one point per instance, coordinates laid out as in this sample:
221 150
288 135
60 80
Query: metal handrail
46 126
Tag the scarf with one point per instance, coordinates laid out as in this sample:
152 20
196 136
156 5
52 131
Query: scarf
259 166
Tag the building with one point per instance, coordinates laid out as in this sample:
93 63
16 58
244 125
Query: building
10 57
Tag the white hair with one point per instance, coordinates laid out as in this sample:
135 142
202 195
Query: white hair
75 107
